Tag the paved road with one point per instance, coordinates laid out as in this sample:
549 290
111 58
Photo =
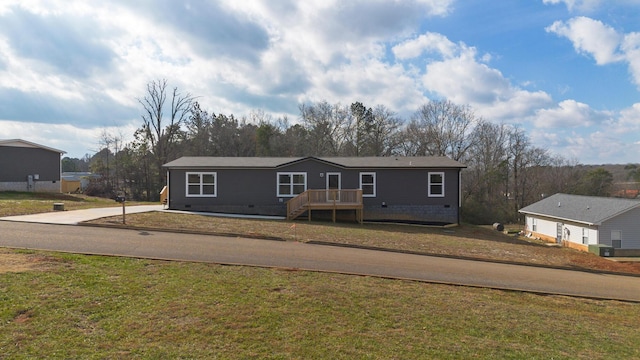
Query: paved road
265 253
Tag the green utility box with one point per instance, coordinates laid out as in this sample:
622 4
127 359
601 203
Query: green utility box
601 250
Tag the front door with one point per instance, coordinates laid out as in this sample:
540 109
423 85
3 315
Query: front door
334 184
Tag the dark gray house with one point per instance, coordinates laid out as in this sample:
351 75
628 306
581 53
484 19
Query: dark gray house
582 222
27 166
401 189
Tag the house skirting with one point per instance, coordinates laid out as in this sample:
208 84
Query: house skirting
401 213
412 213
626 252
38 186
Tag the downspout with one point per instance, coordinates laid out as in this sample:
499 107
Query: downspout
459 193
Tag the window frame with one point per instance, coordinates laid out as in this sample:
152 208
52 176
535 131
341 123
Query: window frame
292 184
534 224
585 236
201 183
619 239
373 184
430 184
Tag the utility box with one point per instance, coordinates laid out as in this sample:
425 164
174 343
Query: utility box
601 250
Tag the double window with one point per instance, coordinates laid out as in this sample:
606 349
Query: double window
291 183
436 184
368 184
202 184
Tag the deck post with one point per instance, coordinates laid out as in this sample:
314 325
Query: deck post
334 208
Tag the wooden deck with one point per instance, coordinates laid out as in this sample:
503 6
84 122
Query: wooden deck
334 200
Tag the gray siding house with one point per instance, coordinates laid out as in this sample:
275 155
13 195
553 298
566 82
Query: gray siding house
404 189
27 166
580 221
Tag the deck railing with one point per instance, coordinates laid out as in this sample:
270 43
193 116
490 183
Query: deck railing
329 199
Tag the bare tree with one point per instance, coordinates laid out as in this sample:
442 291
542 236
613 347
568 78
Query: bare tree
163 132
440 128
328 128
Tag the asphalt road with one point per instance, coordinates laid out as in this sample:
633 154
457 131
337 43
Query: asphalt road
295 255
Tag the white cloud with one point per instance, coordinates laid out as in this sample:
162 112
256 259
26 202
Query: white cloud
75 141
429 42
631 48
569 113
601 41
579 5
628 121
590 37
464 80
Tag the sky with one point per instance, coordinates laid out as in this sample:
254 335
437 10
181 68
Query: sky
565 71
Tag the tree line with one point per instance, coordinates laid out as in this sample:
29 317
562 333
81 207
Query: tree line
505 170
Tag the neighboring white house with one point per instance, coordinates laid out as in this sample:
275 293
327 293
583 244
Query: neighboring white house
579 221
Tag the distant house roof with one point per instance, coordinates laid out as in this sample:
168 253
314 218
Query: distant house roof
591 210
28 144
346 162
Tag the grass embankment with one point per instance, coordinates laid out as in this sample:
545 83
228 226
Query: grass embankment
72 306
103 307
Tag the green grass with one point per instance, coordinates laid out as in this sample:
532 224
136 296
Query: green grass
107 307
21 203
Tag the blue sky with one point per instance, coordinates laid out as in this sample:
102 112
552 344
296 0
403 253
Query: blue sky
566 71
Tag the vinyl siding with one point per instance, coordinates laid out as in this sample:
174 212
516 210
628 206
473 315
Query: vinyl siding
16 163
629 226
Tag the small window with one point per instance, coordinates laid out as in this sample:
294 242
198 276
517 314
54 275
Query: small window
368 184
616 239
436 184
585 235
534 225
291 184
202 184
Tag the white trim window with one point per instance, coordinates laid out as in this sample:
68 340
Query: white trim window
368 184
534 224
585 236
291 184
436 184
201 184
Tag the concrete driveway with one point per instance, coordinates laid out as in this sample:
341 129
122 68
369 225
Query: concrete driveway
295 255
74 217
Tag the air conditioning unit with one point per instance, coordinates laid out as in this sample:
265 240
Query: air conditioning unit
601 250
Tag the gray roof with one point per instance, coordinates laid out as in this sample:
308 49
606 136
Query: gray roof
27 144
591 210
347 162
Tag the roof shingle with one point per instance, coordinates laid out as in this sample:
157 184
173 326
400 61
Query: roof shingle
347 162
585 209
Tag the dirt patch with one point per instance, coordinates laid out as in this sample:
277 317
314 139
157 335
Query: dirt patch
15 262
